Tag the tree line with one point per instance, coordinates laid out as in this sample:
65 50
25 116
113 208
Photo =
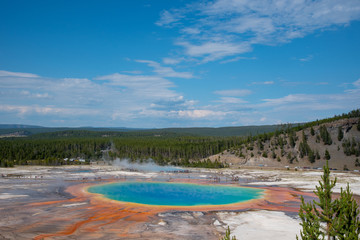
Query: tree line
162 146
183 151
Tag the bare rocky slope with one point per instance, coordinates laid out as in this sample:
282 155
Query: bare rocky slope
305 148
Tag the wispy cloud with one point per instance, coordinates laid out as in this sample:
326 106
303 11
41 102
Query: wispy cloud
200 113
17 74
234 92
357 83
105 100
213 50
166 71
35 95
237 59
151 100
295 84
169 18
306 59
214 30
308 104
21 110
231 100
133 72
263 83
171 61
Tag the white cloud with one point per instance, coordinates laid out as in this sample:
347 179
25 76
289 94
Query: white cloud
357 83
200 113
133 72
210 51
46 110
234 92
140 86
112 98
314 102
306 59
166 71
169 18
152 101
237 59
17 74
171 61
18 109
190 30
41 95
34 95
231 100
292 98
217 29
263 83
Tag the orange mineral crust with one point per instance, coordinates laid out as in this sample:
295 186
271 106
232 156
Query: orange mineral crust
92 216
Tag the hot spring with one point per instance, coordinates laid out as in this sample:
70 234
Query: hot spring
175 194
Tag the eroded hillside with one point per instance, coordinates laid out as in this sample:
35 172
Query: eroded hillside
337 141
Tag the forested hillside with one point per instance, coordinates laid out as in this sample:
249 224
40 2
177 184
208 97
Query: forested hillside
9 130
163 150
337 139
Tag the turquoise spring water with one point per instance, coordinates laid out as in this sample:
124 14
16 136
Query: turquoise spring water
175 194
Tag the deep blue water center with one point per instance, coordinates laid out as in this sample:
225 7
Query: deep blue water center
175 194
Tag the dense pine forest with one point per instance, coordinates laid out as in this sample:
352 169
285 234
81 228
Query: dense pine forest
163 146
163 150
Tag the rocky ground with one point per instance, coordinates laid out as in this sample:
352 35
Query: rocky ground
35 203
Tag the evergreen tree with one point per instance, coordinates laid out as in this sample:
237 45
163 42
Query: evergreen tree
292 140
340 217
310 222
273 155
304 137
312 132
327 155
357 163
311 157
340 134
325 136
346 225
228 236
324 192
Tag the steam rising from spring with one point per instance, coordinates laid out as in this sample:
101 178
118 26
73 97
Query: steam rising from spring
148 166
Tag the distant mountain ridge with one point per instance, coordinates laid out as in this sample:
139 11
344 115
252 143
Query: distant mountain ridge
12 126
29 130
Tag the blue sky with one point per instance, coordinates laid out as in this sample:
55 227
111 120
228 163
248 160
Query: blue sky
177 63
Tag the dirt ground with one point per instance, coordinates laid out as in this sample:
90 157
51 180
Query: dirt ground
51 203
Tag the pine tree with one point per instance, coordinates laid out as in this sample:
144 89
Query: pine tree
324 192
357 163
340 217
310 222
340 134
312 132
327 155
227 235
325 136
346 225
311 156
